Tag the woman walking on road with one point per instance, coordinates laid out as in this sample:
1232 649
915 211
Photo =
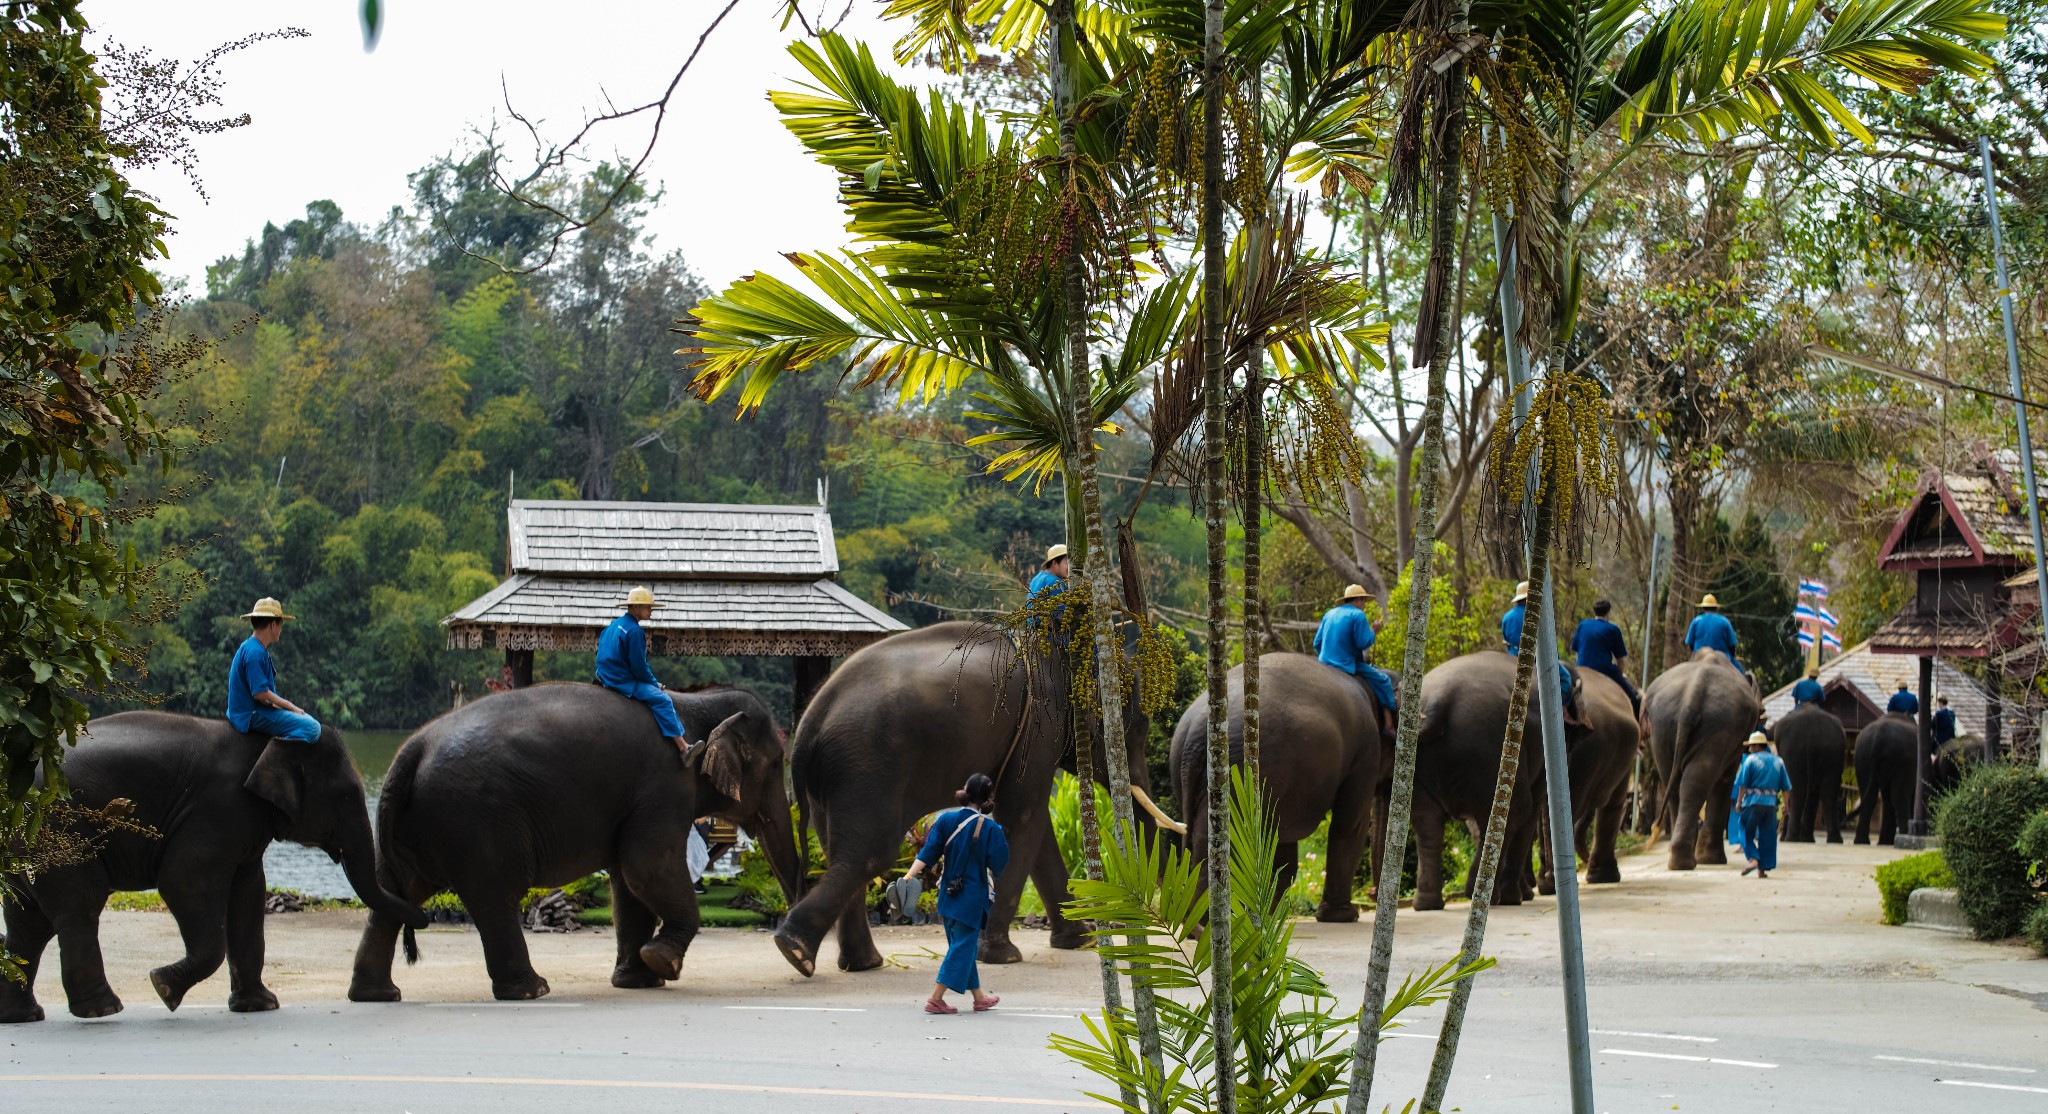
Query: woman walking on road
972 848
1757 785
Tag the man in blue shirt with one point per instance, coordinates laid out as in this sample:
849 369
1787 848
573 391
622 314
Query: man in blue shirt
1711 630
1944 723
1808 689
1601 648
1903 702
622 665
1342 639
1052 576
254 705
1511 631
1757 785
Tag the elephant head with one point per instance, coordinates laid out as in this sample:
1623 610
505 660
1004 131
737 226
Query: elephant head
319 801
739 769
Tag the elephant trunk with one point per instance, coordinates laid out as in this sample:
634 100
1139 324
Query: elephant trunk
359 862
777 835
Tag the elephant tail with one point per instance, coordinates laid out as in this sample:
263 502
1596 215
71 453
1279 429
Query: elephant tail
412 947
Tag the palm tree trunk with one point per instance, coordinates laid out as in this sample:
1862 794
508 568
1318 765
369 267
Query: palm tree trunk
1213 280
1254 513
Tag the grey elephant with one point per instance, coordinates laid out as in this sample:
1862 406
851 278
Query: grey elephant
1600 754
543 785
889 737
217 798
1320 754
1811 741
1884 773
1697 714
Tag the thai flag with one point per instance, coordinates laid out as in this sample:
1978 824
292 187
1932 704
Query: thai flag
1806 639
1829 641
1813 588
1827 618
1805 614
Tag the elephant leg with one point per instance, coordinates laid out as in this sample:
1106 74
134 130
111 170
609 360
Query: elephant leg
1546 856
84 970
634 924
660 879
371 981
1831 804
1028 829
1713 840
1381 808
496 915
28 932
1601 867
201 910
857 950
246 992
1350 817
1286 867
852 858
1049 875
1518 846
1429 855
1894 816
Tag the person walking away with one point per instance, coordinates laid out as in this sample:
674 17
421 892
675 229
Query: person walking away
1943 725
970 849
1511 632
1711 630
622 666
255 706
1808 689
1903 702
1341 641
1601 648
1757 786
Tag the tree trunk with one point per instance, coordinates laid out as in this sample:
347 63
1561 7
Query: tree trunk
1213 293
1682 488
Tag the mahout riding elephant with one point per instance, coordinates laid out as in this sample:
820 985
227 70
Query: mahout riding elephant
1884 770
217 798
1320 754
1811 741
1457 760
1600 755
543 785
1697 714
896 729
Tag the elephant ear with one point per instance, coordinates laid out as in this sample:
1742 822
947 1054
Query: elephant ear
279 777
720 760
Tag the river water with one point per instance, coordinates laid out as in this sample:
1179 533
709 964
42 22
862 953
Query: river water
288 866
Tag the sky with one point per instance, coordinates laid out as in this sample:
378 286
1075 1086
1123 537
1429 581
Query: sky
331 121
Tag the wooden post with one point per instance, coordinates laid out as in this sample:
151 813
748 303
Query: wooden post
1925 749
811 672
521 664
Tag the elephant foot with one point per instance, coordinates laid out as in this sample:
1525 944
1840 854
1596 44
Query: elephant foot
663 957
173 996
1884 841
1426 902
635 977
102 1003
1862 841
999 951
1677 861
360 991
260 1000
18 1014
798 955
860 961
522 990
1716 857
1602 874
1547 886
1512 897
1346 913
1071 939
1834 837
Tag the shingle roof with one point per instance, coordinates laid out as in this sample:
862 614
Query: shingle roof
1876 676
1955 634
672 541
713 617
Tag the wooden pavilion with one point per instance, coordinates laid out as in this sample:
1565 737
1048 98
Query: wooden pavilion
731 579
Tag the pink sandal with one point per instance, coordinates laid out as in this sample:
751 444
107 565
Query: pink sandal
987 1003
933 1006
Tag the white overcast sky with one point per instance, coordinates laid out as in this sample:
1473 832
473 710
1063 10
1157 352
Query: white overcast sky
331 121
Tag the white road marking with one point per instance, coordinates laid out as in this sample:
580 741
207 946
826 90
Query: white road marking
1655 1036
515 1081
1689 1059
1994 1086
1953 1064
801 1009
1052 1016
503 1005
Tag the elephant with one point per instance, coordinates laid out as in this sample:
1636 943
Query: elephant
890 736
1320 755
542 785
1600 755
1813 745
1457 761
215 798
1884 770
1697 715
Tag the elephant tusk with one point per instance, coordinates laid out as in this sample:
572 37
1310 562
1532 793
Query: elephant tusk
1145 802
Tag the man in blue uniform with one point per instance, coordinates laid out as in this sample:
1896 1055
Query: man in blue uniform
1601 648
1944 723
1711 630
1511 632
622 665
1052 576
1903 702
254 705
1808 689
1758 784
1342 639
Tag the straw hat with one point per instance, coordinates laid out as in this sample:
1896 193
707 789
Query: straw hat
1708 600
1521 592
1055 553
1354 592
641 595
267 608
1758 739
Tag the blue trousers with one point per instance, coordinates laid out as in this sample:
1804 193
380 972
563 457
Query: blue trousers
957 971
1613 673
1564 676
660 704
280 724
1760 835
1382 686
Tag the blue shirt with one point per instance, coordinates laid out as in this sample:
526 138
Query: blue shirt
1598 642
1807 691
1511 627
1764 773
979 855
251 672
1944 725
1904 703
1046 583
1711 631
622 656
1345 632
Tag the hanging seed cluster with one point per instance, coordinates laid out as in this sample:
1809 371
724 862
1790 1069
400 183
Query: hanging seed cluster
1061 626
1011 230
1567 433
1165 129
1314 450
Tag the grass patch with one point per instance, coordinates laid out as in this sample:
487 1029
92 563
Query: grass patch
137 901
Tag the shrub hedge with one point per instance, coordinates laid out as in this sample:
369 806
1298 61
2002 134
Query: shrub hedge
1896 881
1980 823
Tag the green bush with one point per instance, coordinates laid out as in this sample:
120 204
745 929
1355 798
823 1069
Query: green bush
2033 844
1896 880
2035 928
1979 823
